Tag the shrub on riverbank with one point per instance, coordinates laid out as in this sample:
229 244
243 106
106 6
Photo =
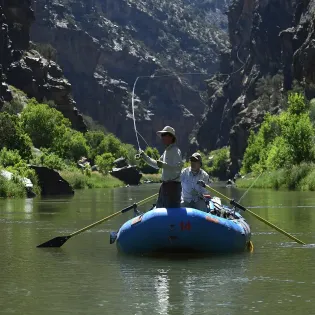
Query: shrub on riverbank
153 178
299 177
283 149
11 189
60 147
283 140
79 180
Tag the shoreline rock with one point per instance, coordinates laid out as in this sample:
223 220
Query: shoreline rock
51 182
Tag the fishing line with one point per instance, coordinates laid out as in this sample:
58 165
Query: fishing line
280 207
143 138
163 76
249 188
133 112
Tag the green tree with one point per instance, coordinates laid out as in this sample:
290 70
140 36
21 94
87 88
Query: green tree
13 137
278 154
94 139
9 157
220 162
300 137
50 159
144 167
111 144
43 124
312 111
297 104
73 145
104 162
93 125
131 154
283 140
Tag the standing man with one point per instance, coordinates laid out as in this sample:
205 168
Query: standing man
171 164
192 192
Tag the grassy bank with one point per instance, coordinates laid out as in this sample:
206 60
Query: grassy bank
11 189
78 180
153 178
298 177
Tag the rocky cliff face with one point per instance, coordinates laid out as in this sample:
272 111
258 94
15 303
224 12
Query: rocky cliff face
25 68
104 45
267 37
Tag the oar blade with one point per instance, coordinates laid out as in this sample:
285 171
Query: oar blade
55 242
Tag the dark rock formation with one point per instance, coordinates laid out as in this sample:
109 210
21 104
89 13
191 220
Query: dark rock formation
128 174
27 69
121 162
51 183
104 45
267 37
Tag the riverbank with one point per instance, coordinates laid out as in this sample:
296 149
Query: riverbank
78 180
298 177
11 189
151 178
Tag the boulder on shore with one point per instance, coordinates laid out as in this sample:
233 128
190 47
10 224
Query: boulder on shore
121 162
50 182
128 174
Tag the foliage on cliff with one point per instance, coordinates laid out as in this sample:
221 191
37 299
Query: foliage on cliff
44 127
283 140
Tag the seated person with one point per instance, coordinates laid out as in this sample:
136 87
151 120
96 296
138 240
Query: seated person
192 192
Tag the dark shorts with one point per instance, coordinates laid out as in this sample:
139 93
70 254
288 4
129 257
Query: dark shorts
169 195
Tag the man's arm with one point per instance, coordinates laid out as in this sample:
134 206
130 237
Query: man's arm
149 160
174 159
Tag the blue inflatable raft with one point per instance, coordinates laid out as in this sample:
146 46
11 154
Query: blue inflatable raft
184 230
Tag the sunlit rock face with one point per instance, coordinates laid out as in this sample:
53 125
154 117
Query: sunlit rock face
104 45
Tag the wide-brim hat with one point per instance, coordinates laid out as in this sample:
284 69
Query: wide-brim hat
167 129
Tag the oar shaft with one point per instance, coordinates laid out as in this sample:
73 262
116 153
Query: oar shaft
96 223
112 216
275 227
255 215
218 193
146 200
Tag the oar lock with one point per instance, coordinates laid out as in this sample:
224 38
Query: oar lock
237 205
135 210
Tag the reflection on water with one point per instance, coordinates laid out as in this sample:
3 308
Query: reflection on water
88 276
186 285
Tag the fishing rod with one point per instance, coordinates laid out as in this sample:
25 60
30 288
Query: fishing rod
250 187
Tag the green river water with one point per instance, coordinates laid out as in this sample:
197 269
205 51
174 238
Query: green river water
88 276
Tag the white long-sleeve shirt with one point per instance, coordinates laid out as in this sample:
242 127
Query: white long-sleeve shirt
172 163
190 189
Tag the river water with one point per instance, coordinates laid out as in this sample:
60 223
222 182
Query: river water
87 276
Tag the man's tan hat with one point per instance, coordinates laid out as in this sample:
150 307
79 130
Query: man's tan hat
167 129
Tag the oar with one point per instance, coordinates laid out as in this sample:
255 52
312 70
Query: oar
234 203
60 240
